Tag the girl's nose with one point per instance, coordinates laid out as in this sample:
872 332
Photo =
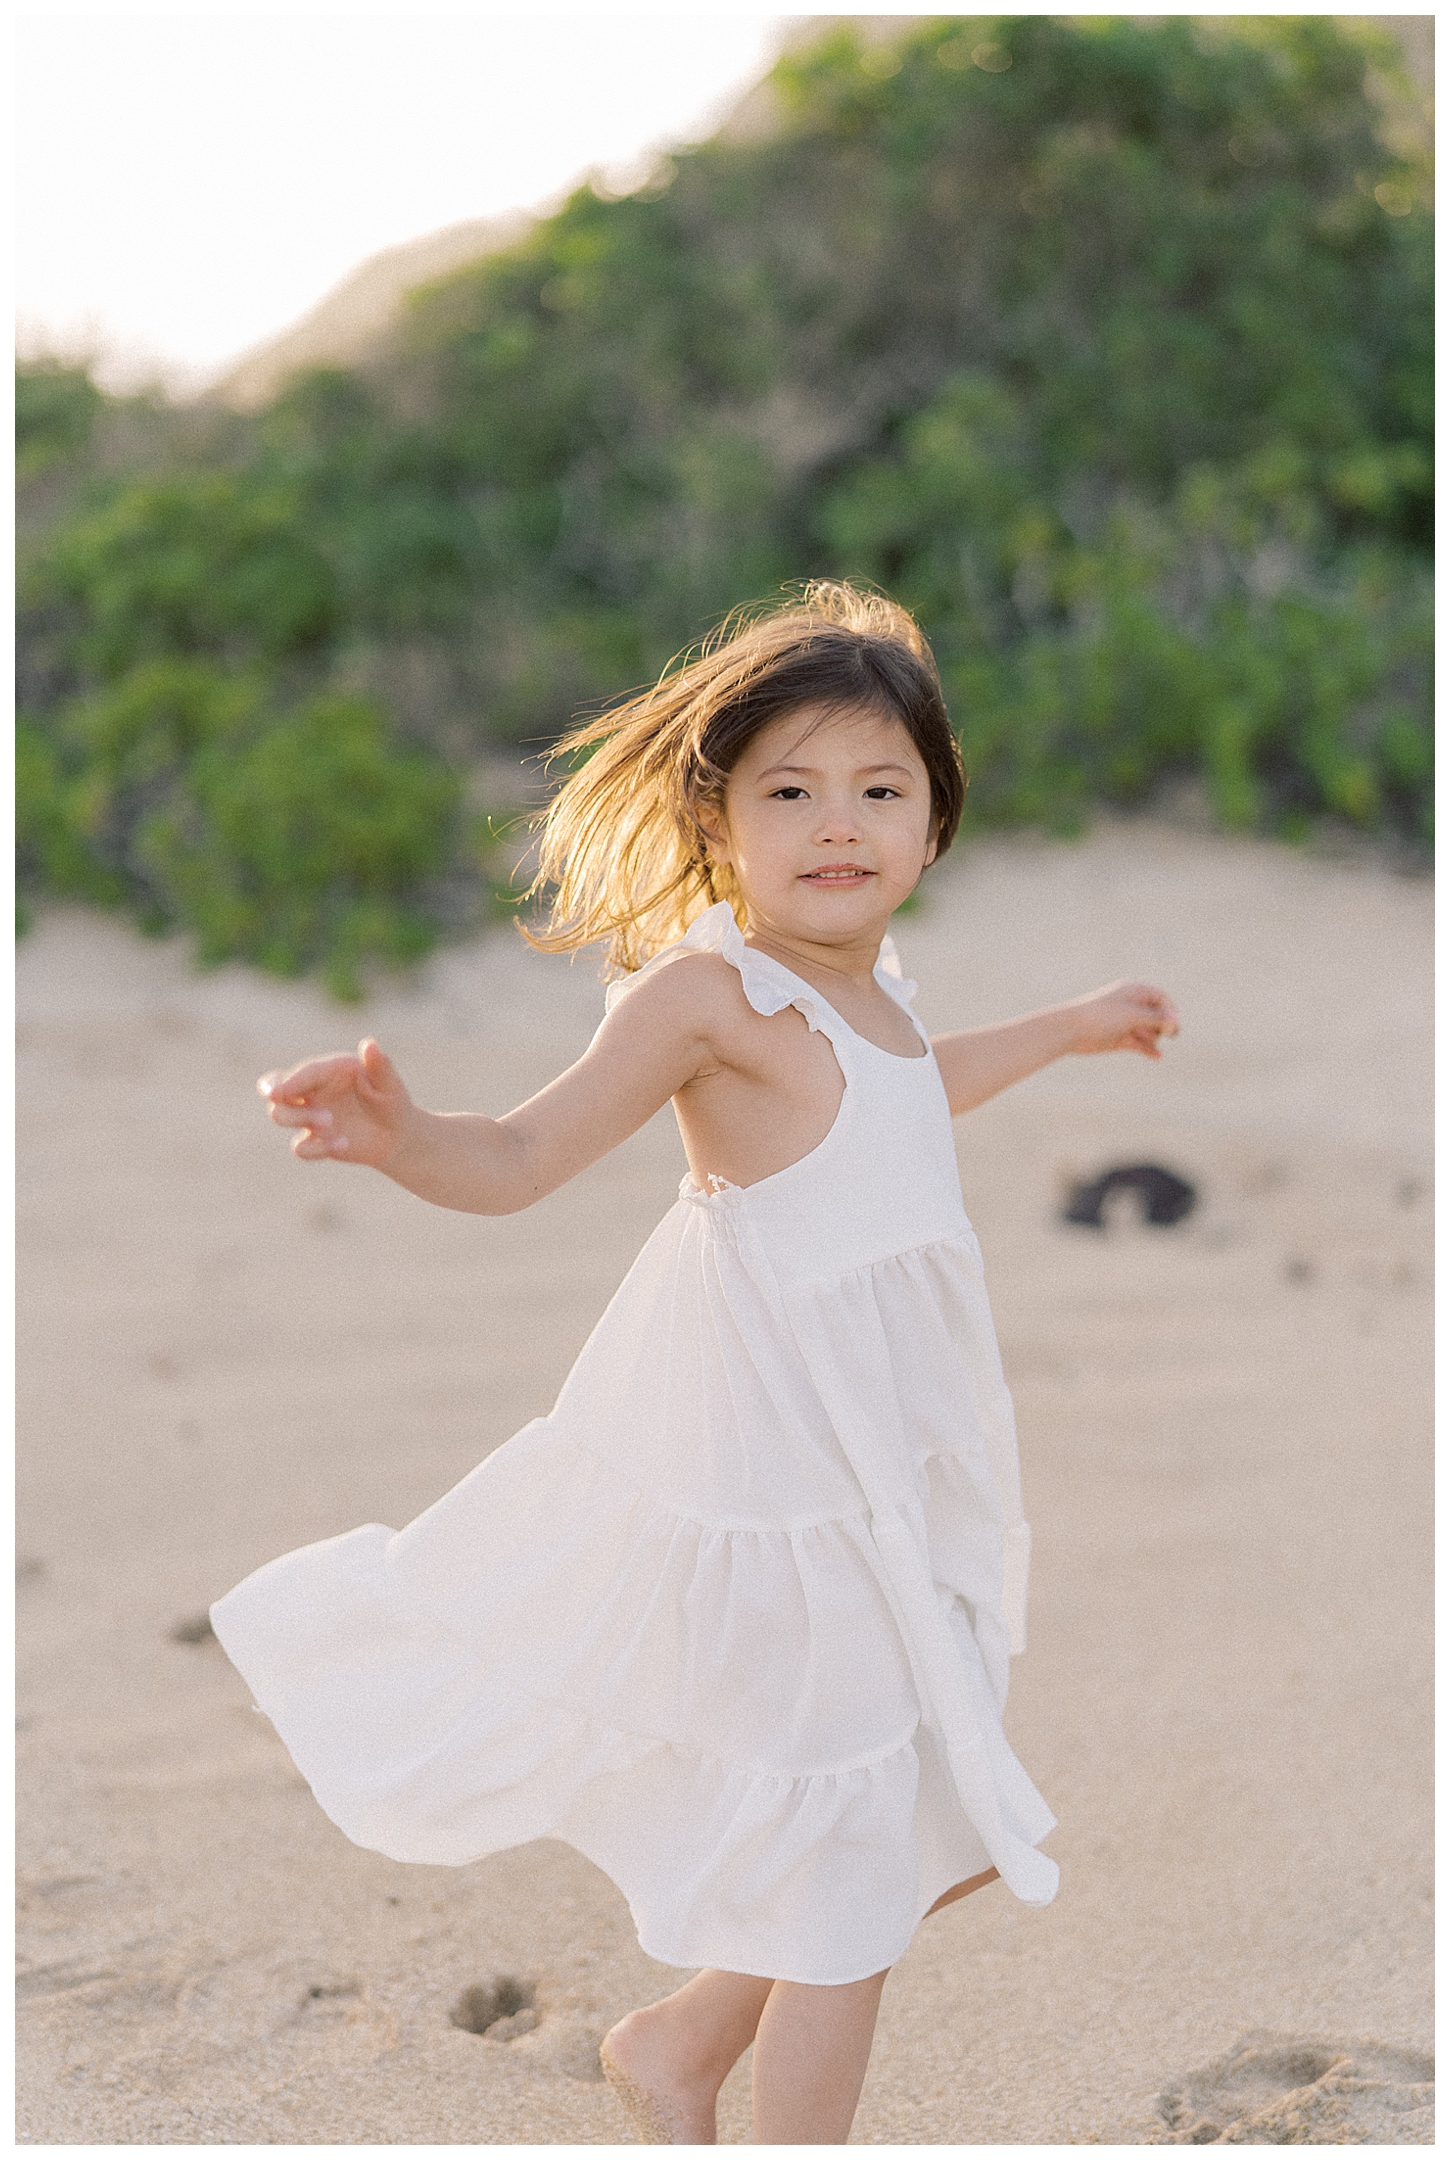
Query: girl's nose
838 828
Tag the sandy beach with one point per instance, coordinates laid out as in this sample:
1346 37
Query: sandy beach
1225 1433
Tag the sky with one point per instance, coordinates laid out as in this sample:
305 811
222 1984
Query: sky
191 179
190 183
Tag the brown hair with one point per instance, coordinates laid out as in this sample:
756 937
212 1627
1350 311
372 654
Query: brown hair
621 844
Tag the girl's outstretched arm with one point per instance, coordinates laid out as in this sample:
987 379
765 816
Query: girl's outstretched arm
977 1063
355 1108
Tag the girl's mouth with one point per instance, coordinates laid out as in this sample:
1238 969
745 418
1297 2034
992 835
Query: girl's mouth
837 874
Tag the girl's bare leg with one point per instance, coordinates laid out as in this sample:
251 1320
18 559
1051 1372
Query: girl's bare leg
812 2046
676 2054
962 1889
811 2050
669 2060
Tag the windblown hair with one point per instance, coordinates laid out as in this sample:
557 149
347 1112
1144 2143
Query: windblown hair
621 845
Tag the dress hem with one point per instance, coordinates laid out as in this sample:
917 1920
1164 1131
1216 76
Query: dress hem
799 1979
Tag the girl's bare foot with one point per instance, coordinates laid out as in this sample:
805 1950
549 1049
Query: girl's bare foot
668 2061
665 2105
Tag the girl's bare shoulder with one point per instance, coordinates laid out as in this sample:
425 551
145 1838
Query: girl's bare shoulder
697 993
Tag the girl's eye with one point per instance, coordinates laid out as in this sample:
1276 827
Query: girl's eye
788 794
882 793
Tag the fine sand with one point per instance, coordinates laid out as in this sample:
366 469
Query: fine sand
1225 1442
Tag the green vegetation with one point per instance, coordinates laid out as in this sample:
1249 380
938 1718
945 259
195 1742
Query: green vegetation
1103 345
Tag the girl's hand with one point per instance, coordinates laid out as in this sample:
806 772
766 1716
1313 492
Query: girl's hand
1124 1016
345 1109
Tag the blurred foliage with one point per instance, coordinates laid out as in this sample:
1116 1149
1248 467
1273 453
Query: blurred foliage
301 838
1104 344
55 410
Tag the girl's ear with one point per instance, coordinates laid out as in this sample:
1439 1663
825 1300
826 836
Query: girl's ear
930 848
712 824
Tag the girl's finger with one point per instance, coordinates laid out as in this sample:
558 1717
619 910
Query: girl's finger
297 1114
304 1080
284 1089
318 1147
377 1076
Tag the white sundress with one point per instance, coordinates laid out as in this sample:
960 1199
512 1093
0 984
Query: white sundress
734 1619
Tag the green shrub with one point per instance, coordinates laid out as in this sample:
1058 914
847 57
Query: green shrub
51 849
55 410
297 839
306 844
189 562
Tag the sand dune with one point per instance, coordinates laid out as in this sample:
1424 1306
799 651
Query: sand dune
1226 1455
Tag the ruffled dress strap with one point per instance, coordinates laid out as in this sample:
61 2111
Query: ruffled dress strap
898 986
768 986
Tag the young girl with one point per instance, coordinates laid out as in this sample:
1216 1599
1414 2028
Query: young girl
734 1619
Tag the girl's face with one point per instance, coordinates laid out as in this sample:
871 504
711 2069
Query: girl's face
827 824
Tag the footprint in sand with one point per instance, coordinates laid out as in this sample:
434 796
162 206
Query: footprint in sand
331 2002
502 2008
344 2016
1272 2090
569 2027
